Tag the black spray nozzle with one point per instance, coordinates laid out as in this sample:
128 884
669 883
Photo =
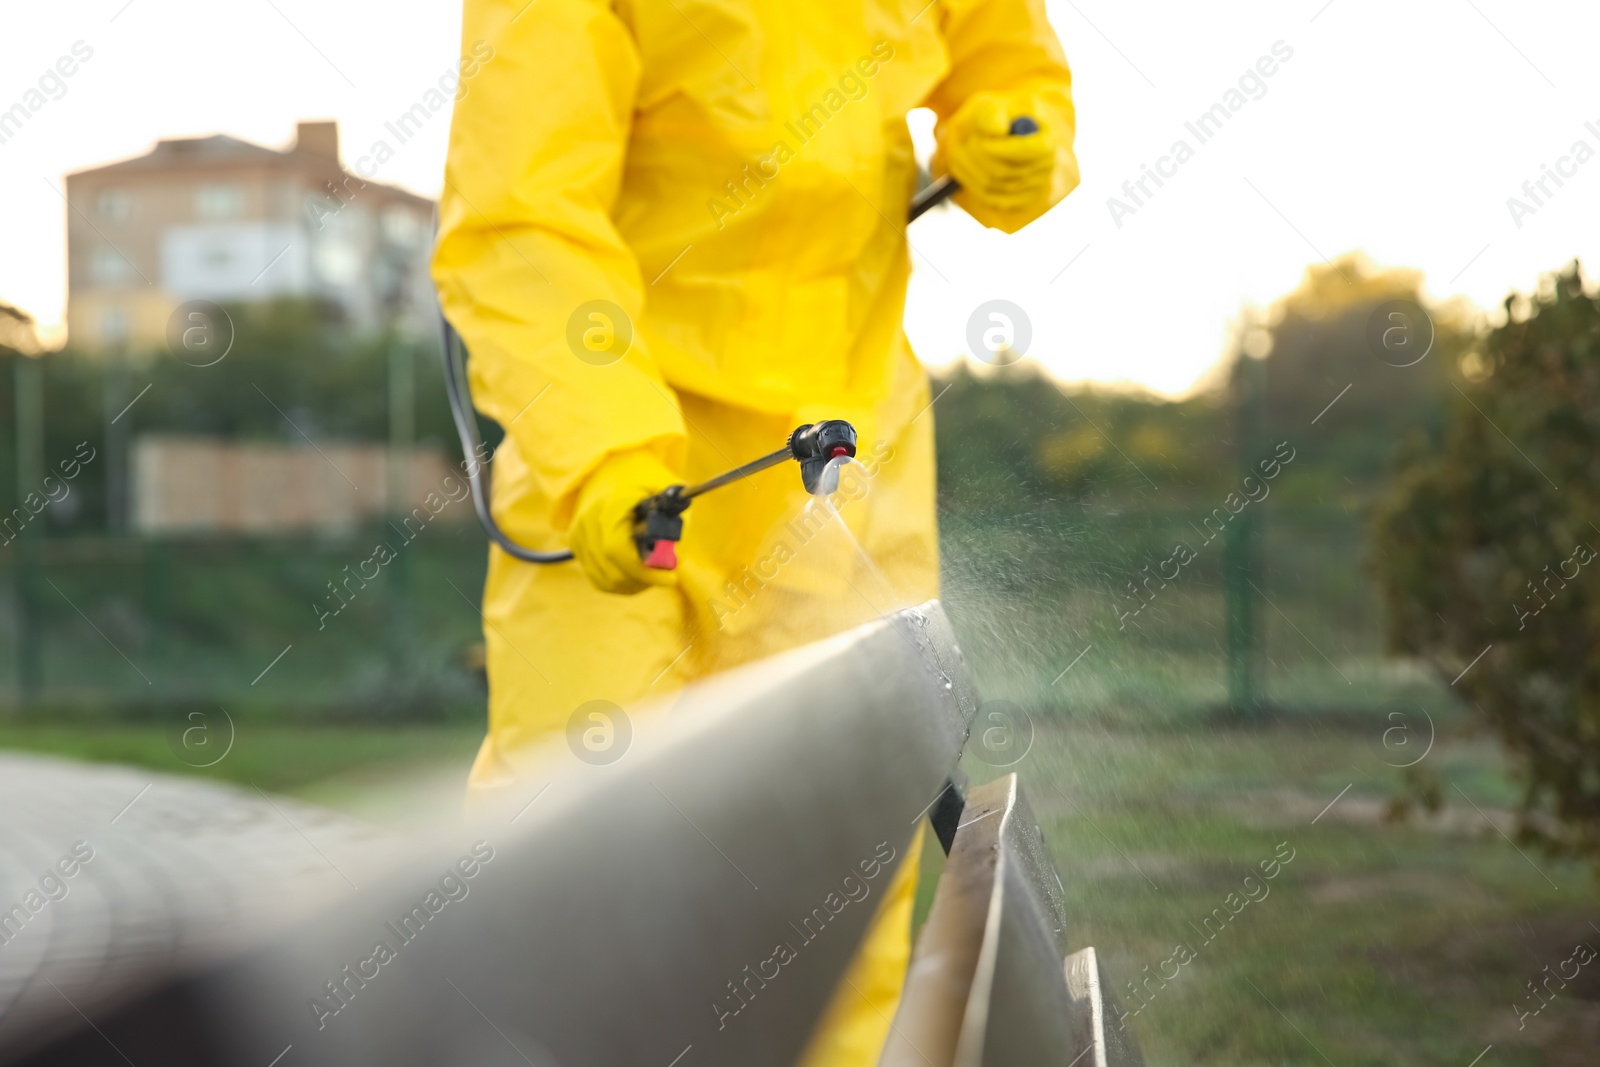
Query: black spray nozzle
817 444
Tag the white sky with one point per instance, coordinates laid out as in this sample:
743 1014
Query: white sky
1397 128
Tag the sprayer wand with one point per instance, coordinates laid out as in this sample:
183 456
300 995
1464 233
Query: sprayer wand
658 520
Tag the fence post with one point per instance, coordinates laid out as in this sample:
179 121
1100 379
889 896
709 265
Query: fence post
114 399
29 395
157 561
1242 545
402 439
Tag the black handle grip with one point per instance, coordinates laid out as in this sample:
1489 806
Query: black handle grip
943 188
658 527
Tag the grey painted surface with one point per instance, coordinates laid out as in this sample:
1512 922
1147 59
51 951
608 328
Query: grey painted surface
164 872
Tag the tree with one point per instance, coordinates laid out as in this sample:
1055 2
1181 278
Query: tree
1486 550
1012 436
1323 348
17 330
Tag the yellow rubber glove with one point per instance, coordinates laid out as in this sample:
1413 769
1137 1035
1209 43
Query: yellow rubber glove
1001 171
601 536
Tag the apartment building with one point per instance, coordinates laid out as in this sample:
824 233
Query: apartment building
221 219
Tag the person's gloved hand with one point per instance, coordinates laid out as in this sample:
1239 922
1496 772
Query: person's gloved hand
977 149
601 536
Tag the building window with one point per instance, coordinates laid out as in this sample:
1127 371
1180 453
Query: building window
108 267
219 201
337 260
114 205
217 258
113 326
402 228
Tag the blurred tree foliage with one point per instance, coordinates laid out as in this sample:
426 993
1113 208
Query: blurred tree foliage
1488 541
1320 339
1013 435
17 333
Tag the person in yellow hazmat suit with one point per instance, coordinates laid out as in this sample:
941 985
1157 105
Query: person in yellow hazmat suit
671 231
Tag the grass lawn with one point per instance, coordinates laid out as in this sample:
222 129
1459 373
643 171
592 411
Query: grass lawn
1378 943
309 762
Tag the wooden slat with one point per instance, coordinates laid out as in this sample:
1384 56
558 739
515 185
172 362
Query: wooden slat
987 984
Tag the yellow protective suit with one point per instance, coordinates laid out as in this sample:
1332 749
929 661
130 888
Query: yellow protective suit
724 184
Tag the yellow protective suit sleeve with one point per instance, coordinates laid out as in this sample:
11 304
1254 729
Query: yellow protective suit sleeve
528 255
1008 46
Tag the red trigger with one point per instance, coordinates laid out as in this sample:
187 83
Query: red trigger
664 556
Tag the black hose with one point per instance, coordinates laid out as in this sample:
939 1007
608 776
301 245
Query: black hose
478 474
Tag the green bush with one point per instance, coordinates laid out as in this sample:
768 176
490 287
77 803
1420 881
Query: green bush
1487 543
